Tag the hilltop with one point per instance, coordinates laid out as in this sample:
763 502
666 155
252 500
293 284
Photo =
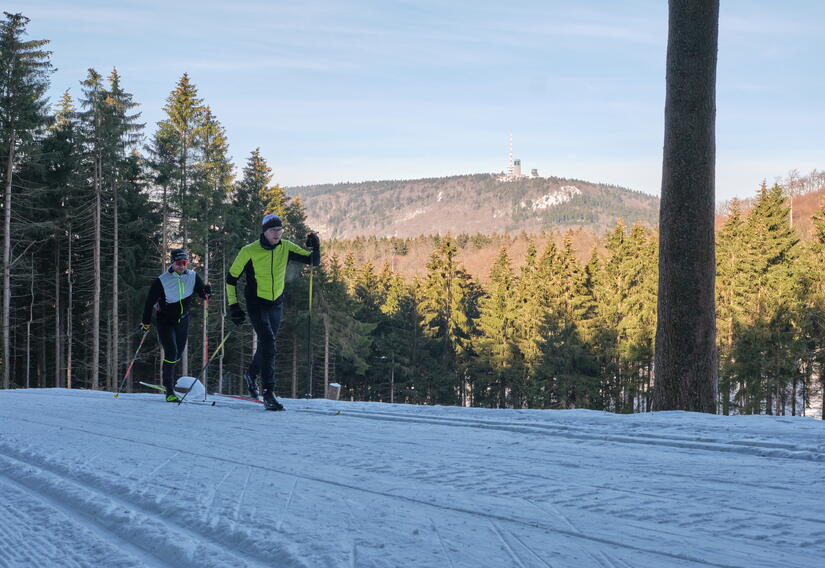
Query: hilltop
477 203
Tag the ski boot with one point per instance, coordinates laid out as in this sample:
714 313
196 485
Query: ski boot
251 384
171 396
270 403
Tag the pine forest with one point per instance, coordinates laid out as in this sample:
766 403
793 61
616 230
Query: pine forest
92 204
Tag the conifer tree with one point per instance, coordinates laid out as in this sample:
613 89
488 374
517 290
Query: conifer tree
93 130
732 284
448 302
123 133
568 357
211 191
496 345
178 149
24 79
530 325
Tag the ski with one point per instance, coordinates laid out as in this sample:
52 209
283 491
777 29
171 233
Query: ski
162 389
239 397
248 399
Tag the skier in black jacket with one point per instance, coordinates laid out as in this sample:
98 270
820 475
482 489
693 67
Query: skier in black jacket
169 297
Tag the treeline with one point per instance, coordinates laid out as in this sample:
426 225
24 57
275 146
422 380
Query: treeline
561 333
92 206
469 203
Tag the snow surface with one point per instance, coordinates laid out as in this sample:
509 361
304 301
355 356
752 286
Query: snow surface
90 480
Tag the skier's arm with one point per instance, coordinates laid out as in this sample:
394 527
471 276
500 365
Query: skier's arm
298 254
155 292
201 289
232 276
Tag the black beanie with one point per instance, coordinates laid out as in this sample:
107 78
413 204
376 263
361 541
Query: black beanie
178 254
270 220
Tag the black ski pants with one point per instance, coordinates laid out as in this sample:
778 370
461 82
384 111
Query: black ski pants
173 337
266 320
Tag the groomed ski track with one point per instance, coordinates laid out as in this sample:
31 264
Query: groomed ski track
90 480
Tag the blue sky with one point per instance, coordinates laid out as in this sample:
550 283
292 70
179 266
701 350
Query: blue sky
346 91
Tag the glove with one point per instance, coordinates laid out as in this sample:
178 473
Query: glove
312 241
144 327
207 290
237 314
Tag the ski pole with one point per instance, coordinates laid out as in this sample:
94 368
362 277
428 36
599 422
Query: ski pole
129 369
205 338
217 350
309 335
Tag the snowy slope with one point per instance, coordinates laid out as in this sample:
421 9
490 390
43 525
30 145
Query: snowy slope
89 480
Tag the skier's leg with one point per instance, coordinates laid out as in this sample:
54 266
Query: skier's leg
250 376
273 317
168 339
266 341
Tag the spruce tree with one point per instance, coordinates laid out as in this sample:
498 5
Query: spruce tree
496 346
178 149
448 303
24 80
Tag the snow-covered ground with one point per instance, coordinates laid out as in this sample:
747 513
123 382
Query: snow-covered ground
90 480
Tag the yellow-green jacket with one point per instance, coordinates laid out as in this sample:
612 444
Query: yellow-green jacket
265 269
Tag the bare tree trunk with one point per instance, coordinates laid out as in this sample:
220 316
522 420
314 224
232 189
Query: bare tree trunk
294 366
58 337
96 297
326 353
115 295
164 230
7 262
686 356
29 326
41 367
822 398
107 379
205 333
793 396
223 320
69 323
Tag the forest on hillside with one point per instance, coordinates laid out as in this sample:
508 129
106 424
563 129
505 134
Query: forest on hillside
471 203
93 201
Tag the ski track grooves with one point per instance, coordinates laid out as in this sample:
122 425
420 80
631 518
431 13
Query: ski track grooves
459 509
766 449
441 542
513 556
636 492
85 520
147 530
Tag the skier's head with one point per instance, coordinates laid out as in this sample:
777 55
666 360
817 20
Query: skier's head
269 221
179 259
272 228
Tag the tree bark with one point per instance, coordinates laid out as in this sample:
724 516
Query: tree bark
223 319
115 294
29 327
58 337
294 366
326 353
686 355
205 330
96 297
7 261
69 299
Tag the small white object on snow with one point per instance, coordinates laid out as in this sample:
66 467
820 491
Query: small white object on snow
187 384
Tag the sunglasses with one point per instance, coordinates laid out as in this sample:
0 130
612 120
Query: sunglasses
181 262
